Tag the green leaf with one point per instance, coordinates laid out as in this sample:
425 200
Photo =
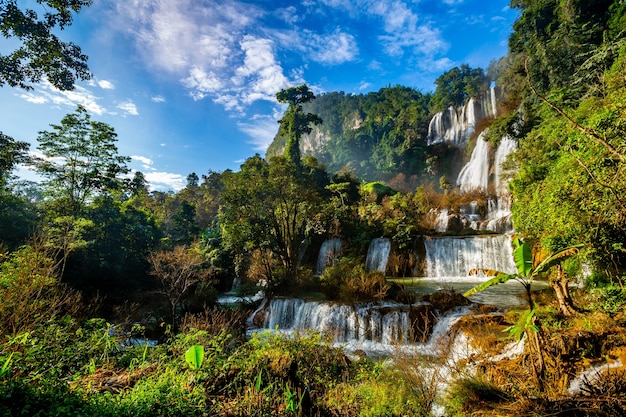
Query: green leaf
523 257
5 366
194 356
499 278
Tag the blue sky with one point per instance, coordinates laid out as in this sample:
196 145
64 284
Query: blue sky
189 85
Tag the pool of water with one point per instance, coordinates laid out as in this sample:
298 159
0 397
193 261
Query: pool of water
509 294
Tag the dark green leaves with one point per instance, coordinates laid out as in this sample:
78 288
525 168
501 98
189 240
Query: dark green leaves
41 54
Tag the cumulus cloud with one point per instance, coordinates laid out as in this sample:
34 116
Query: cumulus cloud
146 163
401 30
333 49
165 181
208 46
158 99
128 107
235 53
106 85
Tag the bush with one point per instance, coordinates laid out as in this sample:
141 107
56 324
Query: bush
610 298
30 290
467 395
387 394
272 372
347 281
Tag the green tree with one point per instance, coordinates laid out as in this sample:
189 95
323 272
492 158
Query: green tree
456 86
16 214
295 121
81 161
41 53
12 153
138 184
268 206
113 256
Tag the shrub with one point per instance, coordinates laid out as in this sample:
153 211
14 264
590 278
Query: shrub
467 395
348 281
30 290
387 394
275 372
611 298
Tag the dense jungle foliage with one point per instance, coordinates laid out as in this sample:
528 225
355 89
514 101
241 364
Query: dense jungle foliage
90 246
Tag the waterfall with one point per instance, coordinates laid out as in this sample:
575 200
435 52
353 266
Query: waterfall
455 126
456 256
372 327
377 255
475 174
329 252
507 145
386 324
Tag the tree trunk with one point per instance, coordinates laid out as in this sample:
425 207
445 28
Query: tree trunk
536 344
559 283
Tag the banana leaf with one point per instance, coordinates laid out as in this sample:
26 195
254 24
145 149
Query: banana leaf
498 278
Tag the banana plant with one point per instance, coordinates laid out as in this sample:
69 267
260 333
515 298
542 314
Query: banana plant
526 273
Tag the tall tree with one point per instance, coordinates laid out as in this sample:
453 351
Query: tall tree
81 160
268 206
41 53
295 121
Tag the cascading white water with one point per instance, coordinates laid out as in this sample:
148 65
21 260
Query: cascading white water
378 255
456 256
329 252
367 322
475 174
372 327
455 126
506 146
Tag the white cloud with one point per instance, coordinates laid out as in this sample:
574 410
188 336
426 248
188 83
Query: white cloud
158 99
128 107
263 74
332 49
288 14
106 85
400 25
32 98
201 83
261 130
146 163
45 92
207 45
165 181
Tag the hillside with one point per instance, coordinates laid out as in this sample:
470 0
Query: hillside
381 135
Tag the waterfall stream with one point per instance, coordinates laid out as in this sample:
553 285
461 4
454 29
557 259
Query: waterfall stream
329 253
378 255
448 257
375 328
